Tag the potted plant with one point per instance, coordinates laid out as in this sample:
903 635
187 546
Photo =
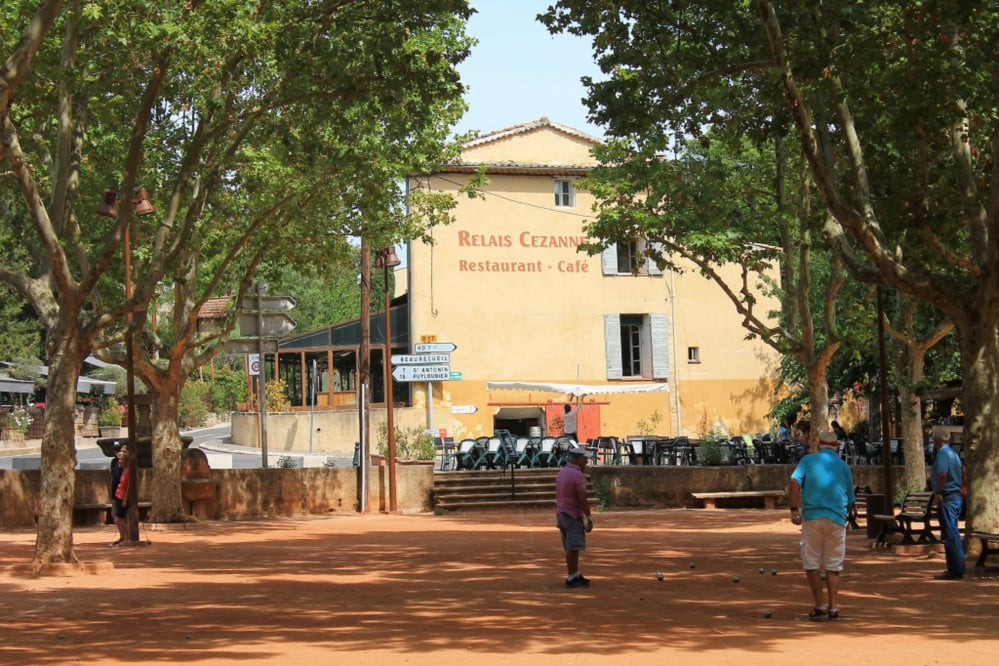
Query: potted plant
109 420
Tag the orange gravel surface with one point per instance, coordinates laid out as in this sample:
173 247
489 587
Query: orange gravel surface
483 589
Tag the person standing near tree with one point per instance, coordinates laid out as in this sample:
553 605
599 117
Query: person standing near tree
948 488
119 500
821 495
572 514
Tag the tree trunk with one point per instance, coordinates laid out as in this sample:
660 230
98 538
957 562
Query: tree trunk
980 369
818 399
167 447
54 540
908 373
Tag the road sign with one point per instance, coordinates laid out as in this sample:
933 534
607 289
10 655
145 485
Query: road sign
420 359
250 346
421 373
434 347
268 303
455 375
464 409
253 364
275 324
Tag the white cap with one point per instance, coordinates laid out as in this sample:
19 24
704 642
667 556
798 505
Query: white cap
828 438
577 451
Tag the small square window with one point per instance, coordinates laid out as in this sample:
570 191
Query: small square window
693 354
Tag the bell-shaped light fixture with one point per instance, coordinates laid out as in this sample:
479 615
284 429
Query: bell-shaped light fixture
110 206
387 258
140 202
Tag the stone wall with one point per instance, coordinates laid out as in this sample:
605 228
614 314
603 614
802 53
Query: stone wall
243 493
256 493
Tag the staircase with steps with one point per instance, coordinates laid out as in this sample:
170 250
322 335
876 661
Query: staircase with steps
484 490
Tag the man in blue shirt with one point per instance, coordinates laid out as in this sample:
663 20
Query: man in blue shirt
821 495
947 486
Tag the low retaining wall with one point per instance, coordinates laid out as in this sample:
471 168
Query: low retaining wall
256 493
243 493
639 486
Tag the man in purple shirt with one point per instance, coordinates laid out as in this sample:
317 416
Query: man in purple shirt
572 512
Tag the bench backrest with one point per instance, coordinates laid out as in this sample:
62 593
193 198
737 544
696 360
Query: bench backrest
917 503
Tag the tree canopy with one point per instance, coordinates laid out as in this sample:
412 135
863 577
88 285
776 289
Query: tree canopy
893 111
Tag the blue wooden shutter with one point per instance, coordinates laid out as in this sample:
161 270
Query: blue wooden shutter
659 331
612 346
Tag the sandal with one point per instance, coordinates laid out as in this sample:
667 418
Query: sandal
817 613
115 543
833 613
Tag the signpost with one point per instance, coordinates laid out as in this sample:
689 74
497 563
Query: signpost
264 318
434 347
250 346
420 359
421 373
464 409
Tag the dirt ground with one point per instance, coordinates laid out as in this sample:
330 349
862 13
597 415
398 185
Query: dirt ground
484 588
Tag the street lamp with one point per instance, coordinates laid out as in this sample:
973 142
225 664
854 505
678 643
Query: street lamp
141 206
386 258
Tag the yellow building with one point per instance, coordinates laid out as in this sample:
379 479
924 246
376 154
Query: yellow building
506 284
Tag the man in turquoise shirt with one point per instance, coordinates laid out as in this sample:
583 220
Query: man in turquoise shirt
821 495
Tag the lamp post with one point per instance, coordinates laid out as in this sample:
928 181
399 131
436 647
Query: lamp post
386 258
141 206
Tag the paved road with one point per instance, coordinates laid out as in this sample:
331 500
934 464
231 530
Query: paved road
215 441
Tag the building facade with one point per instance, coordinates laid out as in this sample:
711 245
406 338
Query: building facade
507 284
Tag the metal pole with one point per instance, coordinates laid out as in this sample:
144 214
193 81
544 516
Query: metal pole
133 449
364 368
387 366
263 376
312 410
887 470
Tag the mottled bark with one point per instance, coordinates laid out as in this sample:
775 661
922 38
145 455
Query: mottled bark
54 541
166 488
980 366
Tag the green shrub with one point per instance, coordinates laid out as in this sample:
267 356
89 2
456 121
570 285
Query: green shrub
193 404
227 388
410 444
286 462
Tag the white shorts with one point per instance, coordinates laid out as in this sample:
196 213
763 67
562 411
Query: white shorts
823 545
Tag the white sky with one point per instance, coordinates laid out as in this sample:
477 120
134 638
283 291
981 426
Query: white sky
519 72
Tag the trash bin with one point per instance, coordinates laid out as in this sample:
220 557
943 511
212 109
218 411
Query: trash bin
876 504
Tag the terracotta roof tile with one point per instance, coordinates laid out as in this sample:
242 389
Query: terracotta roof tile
214 308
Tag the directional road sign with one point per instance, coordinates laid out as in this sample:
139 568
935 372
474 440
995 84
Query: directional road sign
464 409
434 347
268 303
421 373
275 324
420 359
250 346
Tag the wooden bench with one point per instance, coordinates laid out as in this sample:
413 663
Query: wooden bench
916 508
985 538
769 497
90 513
859 507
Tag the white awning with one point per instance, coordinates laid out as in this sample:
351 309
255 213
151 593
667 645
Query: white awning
10 385
577 389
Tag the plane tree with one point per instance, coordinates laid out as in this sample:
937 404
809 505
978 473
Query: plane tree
256 128
893 108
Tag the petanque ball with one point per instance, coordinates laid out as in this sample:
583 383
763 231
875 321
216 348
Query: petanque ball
773 572
693 566
659 576
767 613
760 570
735 579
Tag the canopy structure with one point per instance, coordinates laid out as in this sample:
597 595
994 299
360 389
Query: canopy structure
577 389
